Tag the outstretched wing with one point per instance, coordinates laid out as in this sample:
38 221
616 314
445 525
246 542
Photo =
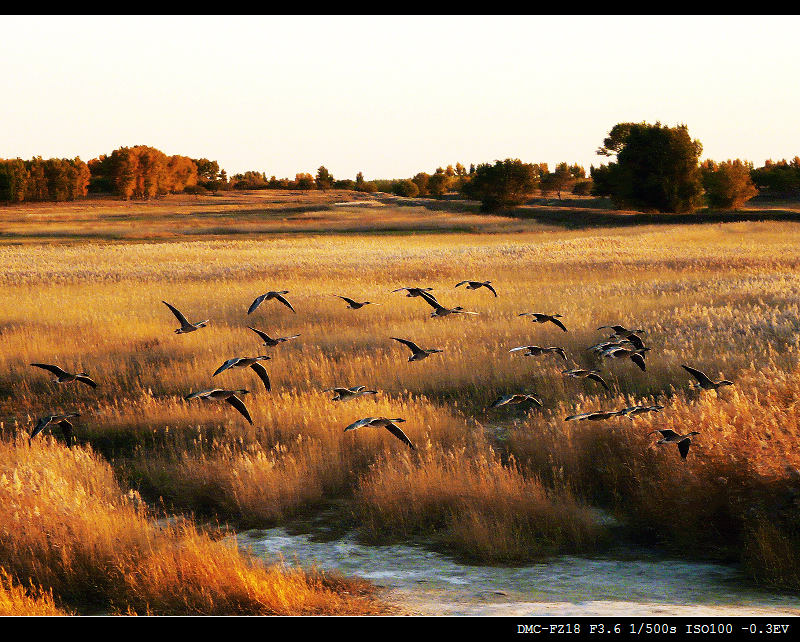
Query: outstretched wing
239 405
638 360
561 352
256 303
400 435
683 447
636 341
666 433
577 417
54 369
598 378
461 283
430 299
359 423
344 298
521 348
702 378
489 286
280 298
261 371
558 323
534 400
41 425
261 334
86 380
225 366
181 319
411 345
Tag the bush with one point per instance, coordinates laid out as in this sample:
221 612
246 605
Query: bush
406 188
728 185
195 189
506 183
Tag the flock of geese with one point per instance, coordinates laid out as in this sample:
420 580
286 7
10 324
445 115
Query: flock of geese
623 343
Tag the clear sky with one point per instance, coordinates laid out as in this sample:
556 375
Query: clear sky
393 95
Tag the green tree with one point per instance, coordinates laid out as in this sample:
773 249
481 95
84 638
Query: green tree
405 187
657 167
438 184
728 185
324 179
504 184
421 181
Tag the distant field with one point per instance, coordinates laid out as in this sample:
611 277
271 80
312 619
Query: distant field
505 485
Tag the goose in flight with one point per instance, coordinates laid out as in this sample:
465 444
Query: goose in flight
538 317
62 376
671 437
608 345
62 421
515 398
185 325
354 305
268 340
704 381
580 373
474 285
533 351
594 416
247 362
224 395
278 296
416 291
637 356
417 353
631 411
383 422
621 331
345 394
439 310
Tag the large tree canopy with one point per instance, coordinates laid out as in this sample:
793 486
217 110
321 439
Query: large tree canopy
657 168
504 184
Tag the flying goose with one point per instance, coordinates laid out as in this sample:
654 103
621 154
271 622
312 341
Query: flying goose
439 310
278 296
185 325
62 376
474 285
269 341
57 420
515 398
607 345
538 317
632 411
224 395
580 373
345 394
354 305
416 291
637 356
704 381
533 351
389 424
671 437
417 353
621 331
245 362
594 416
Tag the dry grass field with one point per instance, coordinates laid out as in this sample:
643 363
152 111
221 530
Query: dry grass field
81 285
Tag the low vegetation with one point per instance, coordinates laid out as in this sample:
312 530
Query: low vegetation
95 526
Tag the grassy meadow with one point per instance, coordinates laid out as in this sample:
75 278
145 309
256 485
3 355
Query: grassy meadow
95 528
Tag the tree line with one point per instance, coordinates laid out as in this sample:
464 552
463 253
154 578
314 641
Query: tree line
653 167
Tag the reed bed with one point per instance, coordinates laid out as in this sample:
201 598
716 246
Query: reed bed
721 297
68 527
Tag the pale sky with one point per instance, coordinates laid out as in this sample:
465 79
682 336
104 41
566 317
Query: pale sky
392 96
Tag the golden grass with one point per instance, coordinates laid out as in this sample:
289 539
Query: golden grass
16 600
474 504
68 527
721 297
